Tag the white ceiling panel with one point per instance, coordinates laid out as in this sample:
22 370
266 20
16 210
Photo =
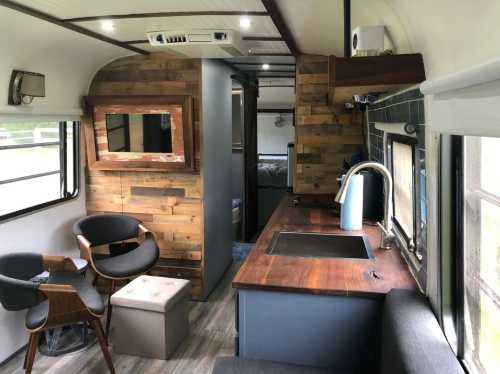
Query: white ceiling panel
318 25
268 47
136 28
89 8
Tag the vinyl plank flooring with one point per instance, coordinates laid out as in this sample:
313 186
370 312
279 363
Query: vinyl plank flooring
212 334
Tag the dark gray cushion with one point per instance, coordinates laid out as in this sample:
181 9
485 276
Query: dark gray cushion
37 315
17 292
412 340
135 262
235 365
107 228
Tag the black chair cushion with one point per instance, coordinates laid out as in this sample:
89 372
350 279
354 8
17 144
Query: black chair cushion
132 263
235 365
37 315
17 292
412 340
107 228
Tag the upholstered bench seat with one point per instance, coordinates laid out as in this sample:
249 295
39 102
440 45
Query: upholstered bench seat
231 365
412 343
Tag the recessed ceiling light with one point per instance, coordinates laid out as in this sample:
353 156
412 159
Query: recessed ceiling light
265 66
245 22
107 25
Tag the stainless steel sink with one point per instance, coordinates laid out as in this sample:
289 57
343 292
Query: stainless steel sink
310 244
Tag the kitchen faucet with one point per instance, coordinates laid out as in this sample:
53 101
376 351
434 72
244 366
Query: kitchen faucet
386 228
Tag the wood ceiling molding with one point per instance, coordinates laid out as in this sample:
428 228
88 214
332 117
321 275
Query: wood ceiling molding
264 38
59 22
275 14
167 14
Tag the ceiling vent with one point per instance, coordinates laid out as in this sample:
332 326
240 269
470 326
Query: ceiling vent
200 43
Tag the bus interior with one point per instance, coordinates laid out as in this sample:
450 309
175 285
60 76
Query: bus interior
249 186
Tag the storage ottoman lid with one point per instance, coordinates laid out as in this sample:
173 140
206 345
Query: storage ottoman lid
151 293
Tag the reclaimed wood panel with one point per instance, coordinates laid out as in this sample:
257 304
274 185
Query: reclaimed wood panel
325 135
169 203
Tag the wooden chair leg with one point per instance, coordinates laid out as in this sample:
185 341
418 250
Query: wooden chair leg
110 308
32 348
96 324
27 350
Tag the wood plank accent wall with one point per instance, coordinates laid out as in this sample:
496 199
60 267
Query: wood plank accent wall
170 204
324 135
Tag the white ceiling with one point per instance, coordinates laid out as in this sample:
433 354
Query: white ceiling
318 25
136 28
67 59
451 34
89 8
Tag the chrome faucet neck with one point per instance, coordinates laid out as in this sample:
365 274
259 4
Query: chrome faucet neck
386 228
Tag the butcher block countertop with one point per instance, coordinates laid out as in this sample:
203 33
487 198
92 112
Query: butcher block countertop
348 277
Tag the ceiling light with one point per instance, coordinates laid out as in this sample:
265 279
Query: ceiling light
245 22
265 66
107 25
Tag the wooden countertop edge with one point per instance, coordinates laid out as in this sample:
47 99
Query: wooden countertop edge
279 220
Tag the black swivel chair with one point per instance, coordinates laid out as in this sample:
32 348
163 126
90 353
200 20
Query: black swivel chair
102 229
66 298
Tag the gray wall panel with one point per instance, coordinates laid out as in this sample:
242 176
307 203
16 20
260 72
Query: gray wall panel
216 170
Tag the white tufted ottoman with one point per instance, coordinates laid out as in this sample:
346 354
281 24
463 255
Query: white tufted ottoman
150 316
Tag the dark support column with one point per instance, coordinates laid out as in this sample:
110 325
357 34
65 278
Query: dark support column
347 28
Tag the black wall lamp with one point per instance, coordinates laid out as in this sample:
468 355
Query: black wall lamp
24 86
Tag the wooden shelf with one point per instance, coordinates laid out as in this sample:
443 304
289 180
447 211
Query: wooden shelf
363 75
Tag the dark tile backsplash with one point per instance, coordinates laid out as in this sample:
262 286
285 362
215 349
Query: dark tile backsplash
406 107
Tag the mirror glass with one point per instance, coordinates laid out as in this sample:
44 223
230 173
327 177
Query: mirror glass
143 133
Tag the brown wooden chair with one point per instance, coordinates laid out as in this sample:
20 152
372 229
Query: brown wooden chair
103 229
65 299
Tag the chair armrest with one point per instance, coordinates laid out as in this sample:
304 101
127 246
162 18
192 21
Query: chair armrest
58 263
65 305
144 231
84 246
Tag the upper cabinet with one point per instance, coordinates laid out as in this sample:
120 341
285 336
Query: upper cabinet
375 74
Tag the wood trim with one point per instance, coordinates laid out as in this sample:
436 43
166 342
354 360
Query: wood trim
264 38
185 101
168 14
275 14
61 23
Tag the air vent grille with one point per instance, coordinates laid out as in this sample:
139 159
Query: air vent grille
180 38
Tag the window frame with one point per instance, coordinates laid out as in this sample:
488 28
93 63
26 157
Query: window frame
63 172
410 244
454 289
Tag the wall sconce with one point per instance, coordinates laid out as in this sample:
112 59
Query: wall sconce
24 86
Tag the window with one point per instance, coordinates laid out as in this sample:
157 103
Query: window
39 165
479 270
405 175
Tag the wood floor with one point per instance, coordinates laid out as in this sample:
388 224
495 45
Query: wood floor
212 334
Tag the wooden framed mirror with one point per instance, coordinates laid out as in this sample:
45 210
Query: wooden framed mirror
139 133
